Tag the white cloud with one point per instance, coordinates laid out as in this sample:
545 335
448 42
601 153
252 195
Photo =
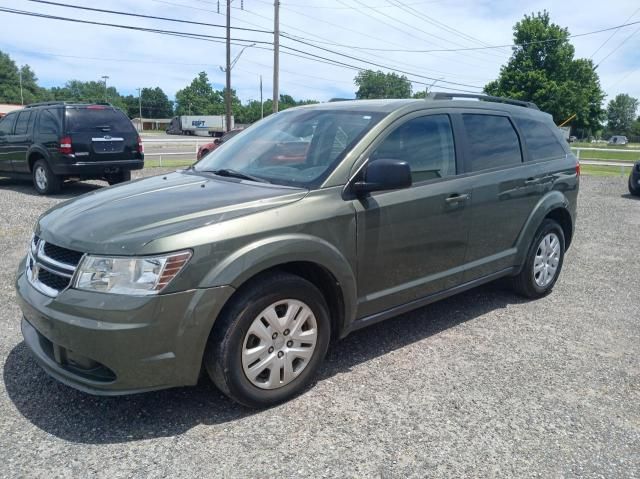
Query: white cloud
133 59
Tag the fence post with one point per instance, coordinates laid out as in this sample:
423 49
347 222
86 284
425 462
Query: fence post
578 155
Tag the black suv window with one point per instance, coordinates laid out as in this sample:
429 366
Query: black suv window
97 118
542 143
492 140
426 143
22 123
48 123
6 123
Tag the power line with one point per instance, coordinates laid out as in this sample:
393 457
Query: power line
619 45
613 34
130 14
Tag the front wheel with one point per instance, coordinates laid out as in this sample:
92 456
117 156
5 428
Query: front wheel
543 263
269 341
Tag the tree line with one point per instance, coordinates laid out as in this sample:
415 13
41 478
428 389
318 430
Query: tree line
542 69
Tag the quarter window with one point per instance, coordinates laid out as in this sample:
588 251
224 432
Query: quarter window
426 143
542 143
22 123
48 122
493 142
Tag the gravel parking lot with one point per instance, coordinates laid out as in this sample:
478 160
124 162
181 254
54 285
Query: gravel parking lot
480 385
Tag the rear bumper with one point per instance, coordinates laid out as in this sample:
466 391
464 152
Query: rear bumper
109 344
69 166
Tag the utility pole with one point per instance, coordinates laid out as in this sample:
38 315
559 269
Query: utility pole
21 95
276 53
105 78
261 102
227 96
140 107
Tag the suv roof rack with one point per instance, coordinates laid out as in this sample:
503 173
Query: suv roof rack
61 102
495 99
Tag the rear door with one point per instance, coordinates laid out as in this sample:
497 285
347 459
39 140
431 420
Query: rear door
22 140
100 133
505 190
6 147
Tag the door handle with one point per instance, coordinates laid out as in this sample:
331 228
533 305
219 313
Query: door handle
532 181
457 198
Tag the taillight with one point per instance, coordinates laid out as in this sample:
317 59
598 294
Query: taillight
140 145
578 168
66 148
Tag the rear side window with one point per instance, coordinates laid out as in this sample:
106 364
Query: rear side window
426 143
493 142
22 123
98 119
542 143
49 123
6 124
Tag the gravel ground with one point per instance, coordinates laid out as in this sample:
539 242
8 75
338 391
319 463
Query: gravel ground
480 385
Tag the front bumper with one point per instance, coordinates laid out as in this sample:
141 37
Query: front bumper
109 344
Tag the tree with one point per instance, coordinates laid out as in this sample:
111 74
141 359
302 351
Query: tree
542 69
10 82
381 85
155 103
199 98
621 113
88 92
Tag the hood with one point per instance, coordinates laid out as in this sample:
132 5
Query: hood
123 219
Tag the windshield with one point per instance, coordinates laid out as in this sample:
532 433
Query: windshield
295 148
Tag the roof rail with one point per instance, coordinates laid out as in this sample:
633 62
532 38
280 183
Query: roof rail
495 99
61 102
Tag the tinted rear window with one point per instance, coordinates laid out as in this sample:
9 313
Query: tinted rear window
541 141
493 141
97 119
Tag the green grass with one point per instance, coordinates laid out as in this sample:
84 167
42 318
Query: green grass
155 163
622 155
596 170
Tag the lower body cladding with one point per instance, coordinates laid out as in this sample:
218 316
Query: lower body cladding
109 344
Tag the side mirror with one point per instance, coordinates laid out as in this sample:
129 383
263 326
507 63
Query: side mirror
384 174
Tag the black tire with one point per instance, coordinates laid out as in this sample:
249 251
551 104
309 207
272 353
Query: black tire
45 181
119 177
524 283
223 356
633 189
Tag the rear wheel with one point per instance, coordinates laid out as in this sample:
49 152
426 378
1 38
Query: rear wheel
269 341
45 181
121 177
633 189
543 263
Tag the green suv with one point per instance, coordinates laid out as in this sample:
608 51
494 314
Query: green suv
310 224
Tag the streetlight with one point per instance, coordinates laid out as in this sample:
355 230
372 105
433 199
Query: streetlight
230 65
21 95
426 90
105 78
140 107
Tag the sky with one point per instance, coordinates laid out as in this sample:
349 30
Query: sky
60 51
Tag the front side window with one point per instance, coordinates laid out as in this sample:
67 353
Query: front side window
493 142
6 124
294 148
22 123
426 143
542 143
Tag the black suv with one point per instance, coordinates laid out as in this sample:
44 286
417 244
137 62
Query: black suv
54 141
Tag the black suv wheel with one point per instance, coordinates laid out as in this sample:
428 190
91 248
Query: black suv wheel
121 177
44 180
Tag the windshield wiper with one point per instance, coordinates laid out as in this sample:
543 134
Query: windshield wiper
236 174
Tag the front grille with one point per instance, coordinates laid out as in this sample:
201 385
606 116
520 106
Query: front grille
62 255
50 268
53 280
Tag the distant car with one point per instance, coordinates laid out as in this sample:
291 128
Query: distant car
572 139
618 140
209 147
53 141
634 180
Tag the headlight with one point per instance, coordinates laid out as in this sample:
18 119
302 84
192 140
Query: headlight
136 276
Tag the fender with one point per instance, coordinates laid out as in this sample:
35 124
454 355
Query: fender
241 265
552 200
37 149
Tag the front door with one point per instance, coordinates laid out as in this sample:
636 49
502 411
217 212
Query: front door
22 140
412 242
